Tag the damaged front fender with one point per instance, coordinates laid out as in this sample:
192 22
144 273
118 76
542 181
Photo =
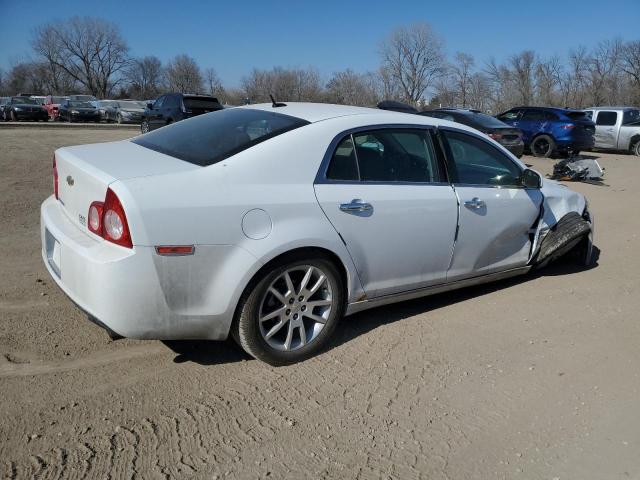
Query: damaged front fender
564 223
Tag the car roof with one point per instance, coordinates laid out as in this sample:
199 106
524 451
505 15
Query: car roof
316 112
547 109
612 108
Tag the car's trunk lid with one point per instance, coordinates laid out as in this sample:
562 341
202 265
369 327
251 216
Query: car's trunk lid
86 171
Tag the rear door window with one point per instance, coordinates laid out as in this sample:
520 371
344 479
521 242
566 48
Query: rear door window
207 139
606 118
535 115
388 155
200 103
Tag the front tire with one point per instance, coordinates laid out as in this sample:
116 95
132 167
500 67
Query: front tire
14 117
289 314
543 146
636 148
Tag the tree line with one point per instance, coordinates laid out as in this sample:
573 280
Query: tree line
89 55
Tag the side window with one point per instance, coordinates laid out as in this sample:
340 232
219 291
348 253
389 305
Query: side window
588 114
550 116
476 162
343 164
534 115
402 155
607 118
510 115
631 117
158 103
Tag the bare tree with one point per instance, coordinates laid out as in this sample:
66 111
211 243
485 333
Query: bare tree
284 84
183 75
547 76
145 76
414 58
90 50
461 70
602 67
630 65
522 65
213 83
350 88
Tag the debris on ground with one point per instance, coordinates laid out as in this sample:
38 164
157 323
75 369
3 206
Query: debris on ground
577 169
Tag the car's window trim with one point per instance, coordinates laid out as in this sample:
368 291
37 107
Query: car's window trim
449 160
321 176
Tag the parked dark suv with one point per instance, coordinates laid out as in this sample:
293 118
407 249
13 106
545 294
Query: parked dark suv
506 135
173 107
552 130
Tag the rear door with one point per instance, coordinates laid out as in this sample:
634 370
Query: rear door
496 212
384 192
607 128
532 122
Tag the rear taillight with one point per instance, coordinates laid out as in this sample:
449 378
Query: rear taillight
55 177
109 221
568 126
94 219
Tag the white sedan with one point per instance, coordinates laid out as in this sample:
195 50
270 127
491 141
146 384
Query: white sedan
270 222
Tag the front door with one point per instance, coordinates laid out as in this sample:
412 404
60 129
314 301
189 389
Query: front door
384 193
606 129
496 213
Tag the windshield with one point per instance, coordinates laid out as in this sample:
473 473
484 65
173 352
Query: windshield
24 101
631 117
208 139
77 104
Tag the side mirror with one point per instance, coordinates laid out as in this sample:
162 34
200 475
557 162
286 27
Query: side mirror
150 106
531 179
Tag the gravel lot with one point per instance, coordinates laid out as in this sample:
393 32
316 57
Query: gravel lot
533 378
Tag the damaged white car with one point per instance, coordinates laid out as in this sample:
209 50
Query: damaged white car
270 222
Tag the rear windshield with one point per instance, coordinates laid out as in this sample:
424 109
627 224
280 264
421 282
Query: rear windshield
484 120
208 139
577 115
196 102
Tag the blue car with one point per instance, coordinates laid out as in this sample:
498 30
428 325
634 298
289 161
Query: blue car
548 131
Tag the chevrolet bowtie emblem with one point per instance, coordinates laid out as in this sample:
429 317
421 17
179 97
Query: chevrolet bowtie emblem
70 180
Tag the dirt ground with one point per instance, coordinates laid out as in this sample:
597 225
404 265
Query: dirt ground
532 378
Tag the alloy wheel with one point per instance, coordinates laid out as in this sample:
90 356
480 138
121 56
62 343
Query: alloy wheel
541 147
295 308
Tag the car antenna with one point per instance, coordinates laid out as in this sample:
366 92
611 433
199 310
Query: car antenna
275 104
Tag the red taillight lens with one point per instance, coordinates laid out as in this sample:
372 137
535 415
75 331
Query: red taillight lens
94 219
568 126
114 222
55 178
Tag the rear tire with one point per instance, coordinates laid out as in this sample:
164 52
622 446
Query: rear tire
295 323
543 146
635 149
144 127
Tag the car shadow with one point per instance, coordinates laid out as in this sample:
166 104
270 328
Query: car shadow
210 352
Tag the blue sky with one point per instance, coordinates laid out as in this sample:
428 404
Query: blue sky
233 37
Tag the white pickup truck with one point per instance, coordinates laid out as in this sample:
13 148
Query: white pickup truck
617 128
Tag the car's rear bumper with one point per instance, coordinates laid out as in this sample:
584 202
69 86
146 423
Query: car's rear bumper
135 292
516 149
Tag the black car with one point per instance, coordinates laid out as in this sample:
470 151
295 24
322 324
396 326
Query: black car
173 107
78 111
23 108
506 135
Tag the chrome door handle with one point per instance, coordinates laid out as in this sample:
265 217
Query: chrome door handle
356 205
475 203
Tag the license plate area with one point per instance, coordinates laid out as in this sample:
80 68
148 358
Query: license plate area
53 252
